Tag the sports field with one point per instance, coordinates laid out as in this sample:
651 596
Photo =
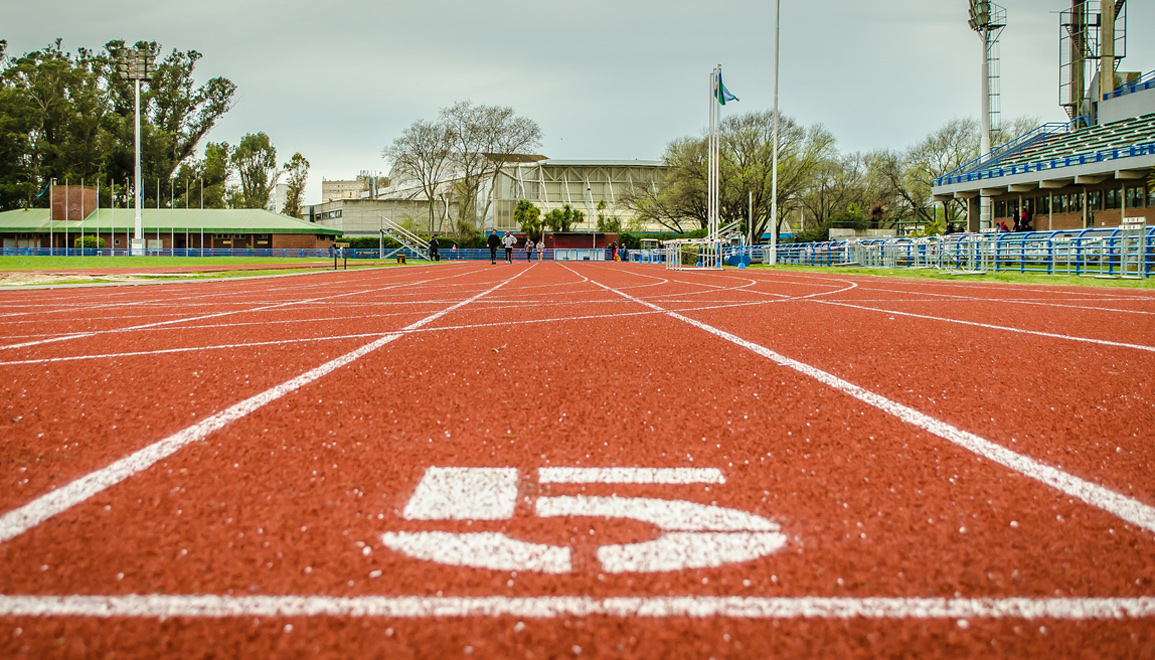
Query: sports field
571 460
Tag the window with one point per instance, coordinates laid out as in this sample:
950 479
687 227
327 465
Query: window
1075 203
1060 202
1043 204
1000 209
1112 198
1094 200
1136 196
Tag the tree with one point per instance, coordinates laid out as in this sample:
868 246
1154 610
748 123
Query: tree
482 138
609 224
528 218
746 169
176 114
422 153
563 219
71 117
209 177
298 171
255 160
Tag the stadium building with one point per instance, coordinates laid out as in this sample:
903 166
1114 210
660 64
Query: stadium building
594 187
1091 171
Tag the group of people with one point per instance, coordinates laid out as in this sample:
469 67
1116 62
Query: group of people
509 241
1022 222
616 252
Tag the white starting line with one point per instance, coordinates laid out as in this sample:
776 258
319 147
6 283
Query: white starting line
134 606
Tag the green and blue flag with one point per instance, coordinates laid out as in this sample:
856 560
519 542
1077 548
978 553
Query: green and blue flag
720 92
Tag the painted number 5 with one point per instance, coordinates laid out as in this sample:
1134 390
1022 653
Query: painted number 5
694 535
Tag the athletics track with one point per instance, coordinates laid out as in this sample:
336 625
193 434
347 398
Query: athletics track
805 465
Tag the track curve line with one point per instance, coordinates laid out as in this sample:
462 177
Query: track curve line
991 326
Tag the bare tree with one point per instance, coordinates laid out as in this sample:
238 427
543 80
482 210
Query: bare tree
482 138
422 152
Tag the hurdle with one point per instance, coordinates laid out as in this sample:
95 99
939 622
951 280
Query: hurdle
692 254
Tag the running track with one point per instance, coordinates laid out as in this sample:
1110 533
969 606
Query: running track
216 468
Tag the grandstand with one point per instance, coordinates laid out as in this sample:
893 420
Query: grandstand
1091 171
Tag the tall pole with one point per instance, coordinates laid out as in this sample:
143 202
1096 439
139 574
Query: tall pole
774 176
138 237
985 123
67 215
202 217
51 216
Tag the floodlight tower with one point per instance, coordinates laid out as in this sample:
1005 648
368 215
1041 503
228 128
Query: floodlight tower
988 20
1090 30
137 64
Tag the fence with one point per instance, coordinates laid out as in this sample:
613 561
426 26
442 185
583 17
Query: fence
1127 251
1121 251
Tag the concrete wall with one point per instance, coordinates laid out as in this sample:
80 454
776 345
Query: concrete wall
1127 106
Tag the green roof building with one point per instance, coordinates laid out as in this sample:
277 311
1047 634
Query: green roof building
164 229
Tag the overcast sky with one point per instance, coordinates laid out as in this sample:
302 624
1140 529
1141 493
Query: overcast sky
605 79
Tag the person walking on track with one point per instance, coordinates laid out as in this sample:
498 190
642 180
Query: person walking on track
509 241
528 248
541 249
434 255
493 242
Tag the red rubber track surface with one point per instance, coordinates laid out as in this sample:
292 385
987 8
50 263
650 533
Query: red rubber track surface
557 368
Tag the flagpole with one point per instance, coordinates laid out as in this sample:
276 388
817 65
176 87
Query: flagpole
774 177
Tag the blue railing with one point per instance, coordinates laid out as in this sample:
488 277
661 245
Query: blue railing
1098 251
1103 155
1146 81
1013 147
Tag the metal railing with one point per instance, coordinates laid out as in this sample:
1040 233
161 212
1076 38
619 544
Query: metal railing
1015 146
1109 252
1102 155
405 237
1146 81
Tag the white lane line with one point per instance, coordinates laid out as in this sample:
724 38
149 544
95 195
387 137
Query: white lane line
139 606
20 520
813 298
190 349
1013 301
991 326
1119 505
80 335
629 475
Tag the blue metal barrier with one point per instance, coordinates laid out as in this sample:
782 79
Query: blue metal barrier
1093 251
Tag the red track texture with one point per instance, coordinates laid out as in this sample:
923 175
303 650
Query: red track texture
261 535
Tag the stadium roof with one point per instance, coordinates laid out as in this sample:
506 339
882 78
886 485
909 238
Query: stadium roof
1121 149
217 221
602 163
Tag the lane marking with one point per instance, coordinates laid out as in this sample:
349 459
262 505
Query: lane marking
489 550
21 519
1117 504
80 335
629 475
188 349
990 326
457 493
695 535
161 607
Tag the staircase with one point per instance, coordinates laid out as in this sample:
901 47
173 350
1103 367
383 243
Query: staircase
406 238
